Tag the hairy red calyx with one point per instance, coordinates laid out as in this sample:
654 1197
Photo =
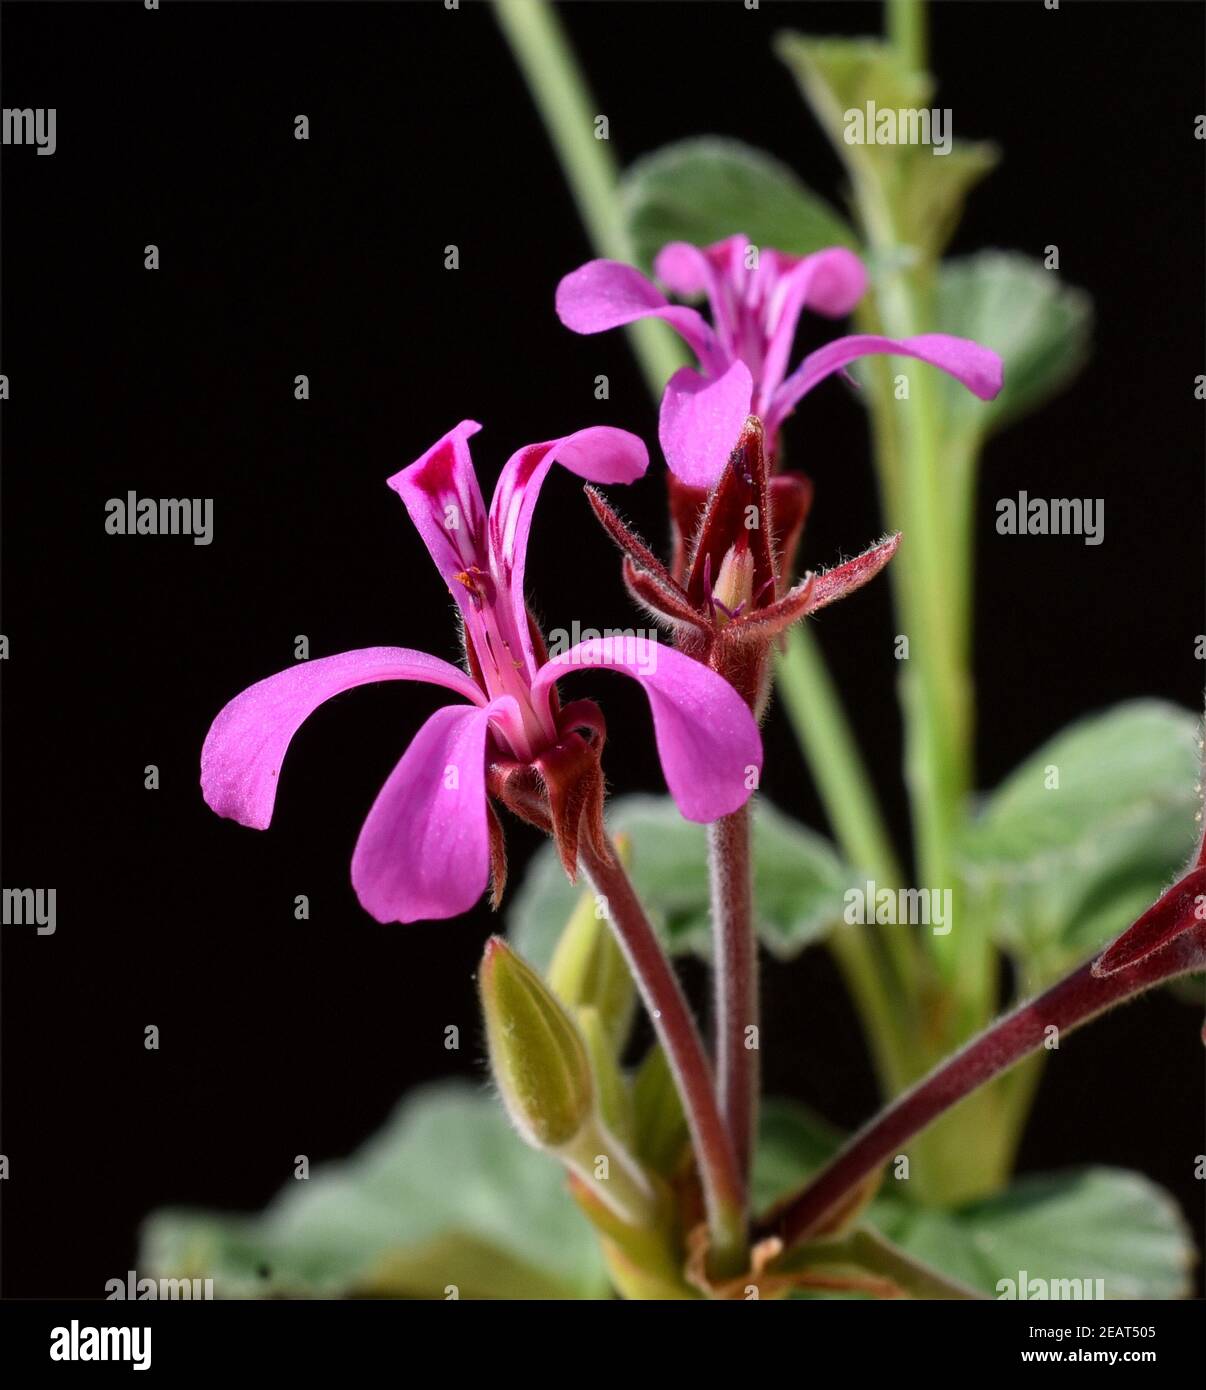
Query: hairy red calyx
726 594
561 791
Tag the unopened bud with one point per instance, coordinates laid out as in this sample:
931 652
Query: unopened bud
611 1088
537 1056
588 969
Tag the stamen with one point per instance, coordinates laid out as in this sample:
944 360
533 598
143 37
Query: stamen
734 582
478 582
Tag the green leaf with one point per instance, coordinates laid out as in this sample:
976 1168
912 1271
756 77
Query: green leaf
1089 1224
908 188
1057 870
1039 326
445 1194
799 882
793 1143
704 189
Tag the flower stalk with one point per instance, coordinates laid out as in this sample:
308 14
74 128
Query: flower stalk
735 977
720 1176
1167 941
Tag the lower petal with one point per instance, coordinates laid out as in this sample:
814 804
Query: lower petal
247 742
701 419
424 849
707 738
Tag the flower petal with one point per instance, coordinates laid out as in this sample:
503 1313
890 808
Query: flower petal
977 367
686 270
247 742
606 294
441 494
599 454
707 738
424 849
829 282
719 271
701 420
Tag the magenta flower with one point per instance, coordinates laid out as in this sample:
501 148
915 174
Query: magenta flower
756 298
430 841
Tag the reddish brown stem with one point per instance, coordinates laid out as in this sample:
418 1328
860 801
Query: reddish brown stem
724 1189
1066 1005
735 977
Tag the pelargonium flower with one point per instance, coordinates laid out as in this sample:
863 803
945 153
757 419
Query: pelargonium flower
756 296
431 839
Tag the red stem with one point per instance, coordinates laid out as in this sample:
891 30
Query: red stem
1066 1005
735 976
724 1190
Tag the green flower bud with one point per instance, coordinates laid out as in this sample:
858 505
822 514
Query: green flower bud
588 969
659 1126
611 1088
537 1055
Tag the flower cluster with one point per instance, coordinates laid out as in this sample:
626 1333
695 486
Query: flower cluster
432 840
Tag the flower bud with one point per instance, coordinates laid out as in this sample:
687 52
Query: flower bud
588 969
537 1056
610 1085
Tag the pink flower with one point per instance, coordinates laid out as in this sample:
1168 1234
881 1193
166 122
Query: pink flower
756 298
430 841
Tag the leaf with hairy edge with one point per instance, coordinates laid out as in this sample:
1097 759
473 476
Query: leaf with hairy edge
1086 833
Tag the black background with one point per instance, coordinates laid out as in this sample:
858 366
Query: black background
326 257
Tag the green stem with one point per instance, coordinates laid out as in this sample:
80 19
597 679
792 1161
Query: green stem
933 590
563 99
906 26
815 710
882 988
865 1251
883 1014
625 1191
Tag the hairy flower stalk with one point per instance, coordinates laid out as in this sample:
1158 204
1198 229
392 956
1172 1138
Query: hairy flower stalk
723 1186
735 981
1167 941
